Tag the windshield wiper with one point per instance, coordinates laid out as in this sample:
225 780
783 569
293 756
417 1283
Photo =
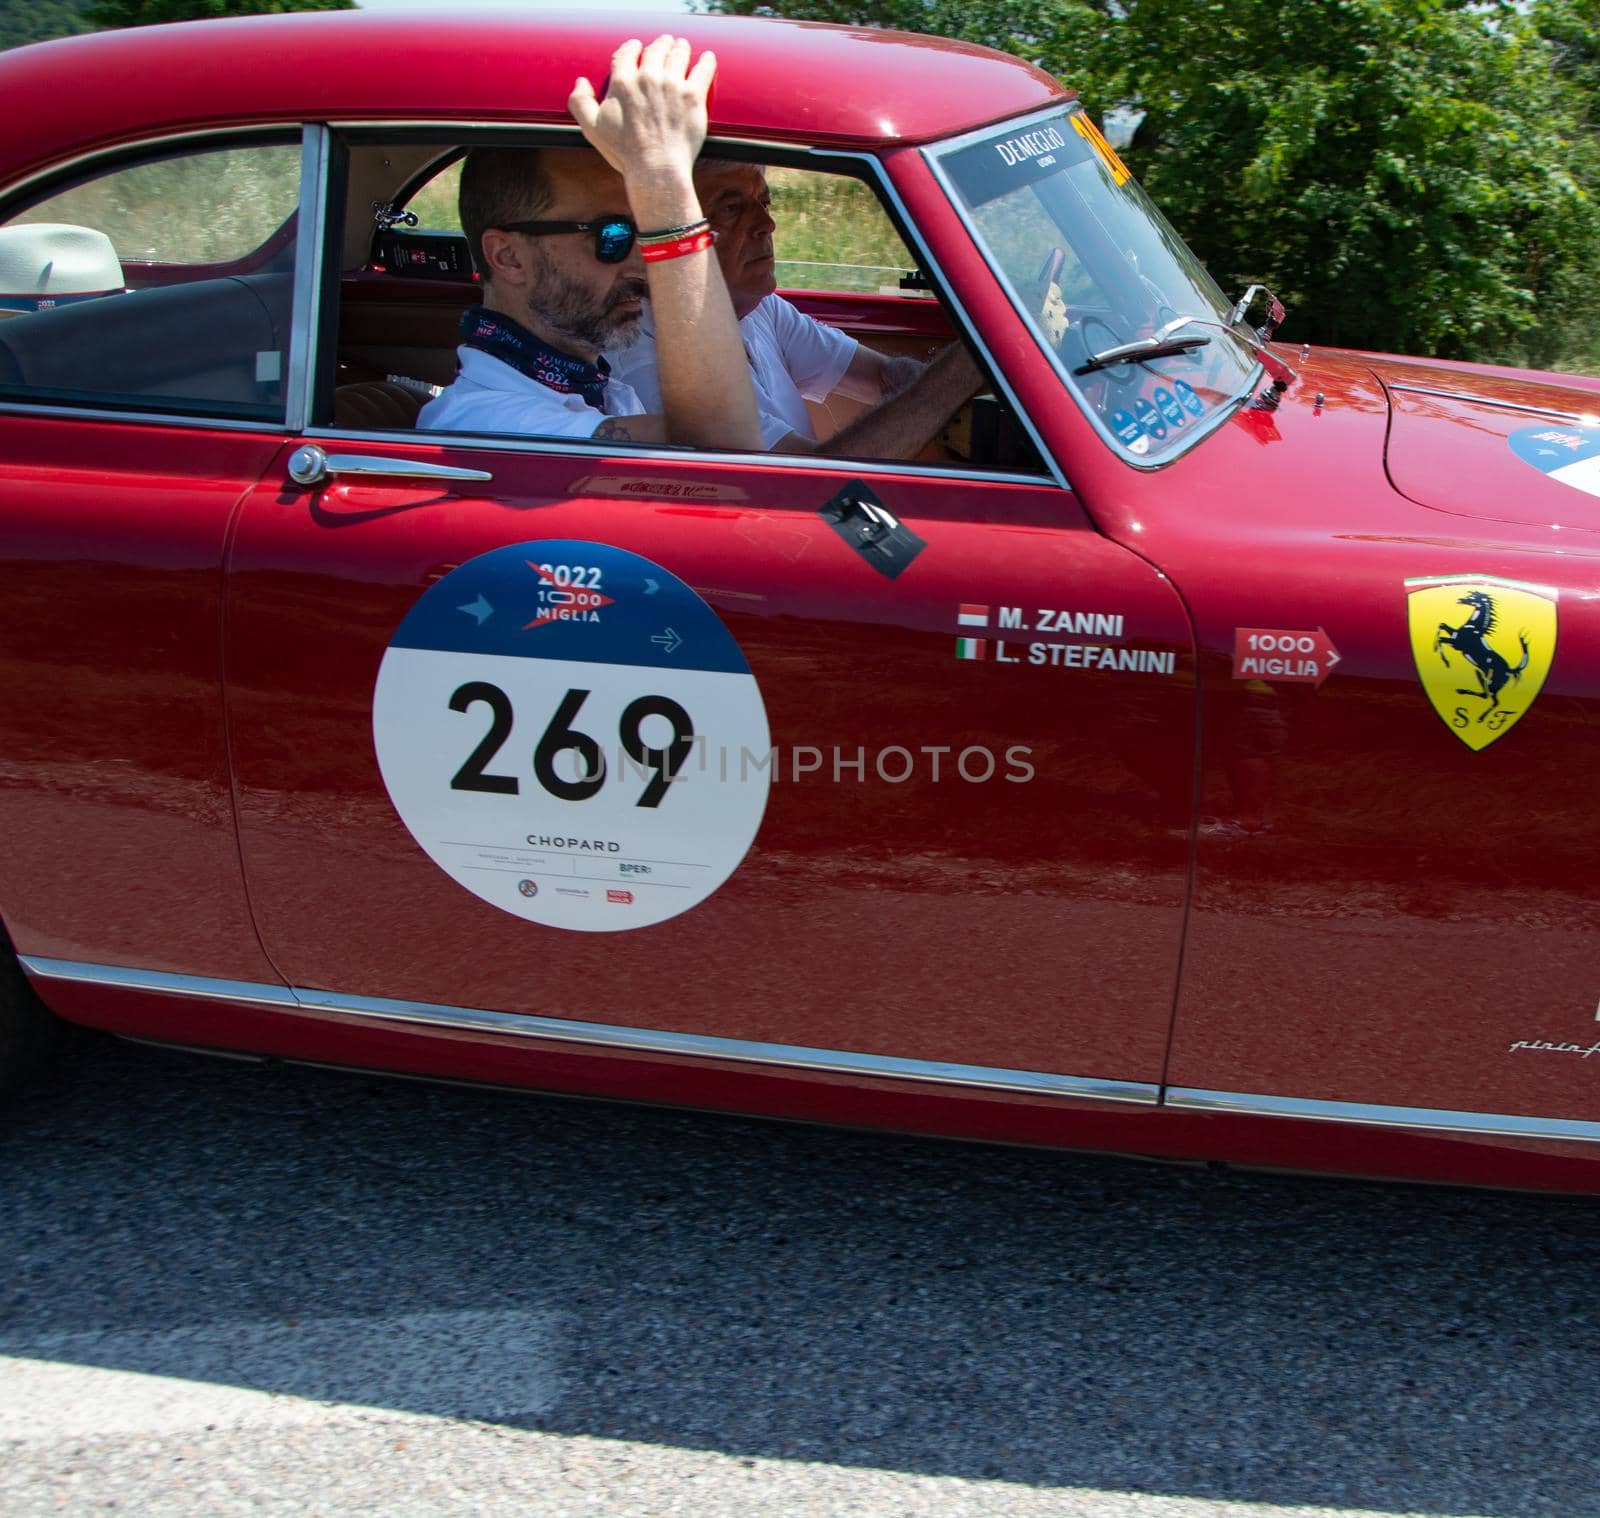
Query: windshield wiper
1280 372
1135 353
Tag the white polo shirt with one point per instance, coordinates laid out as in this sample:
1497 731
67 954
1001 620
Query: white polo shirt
491 396
793 358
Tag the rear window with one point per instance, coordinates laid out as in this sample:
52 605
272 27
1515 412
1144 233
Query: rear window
195 208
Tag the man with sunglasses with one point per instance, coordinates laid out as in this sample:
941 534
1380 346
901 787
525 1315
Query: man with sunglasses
793 357
569 242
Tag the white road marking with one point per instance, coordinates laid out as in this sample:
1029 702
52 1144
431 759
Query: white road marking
484 1365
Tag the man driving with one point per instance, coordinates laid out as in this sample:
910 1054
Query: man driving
793 357
570 241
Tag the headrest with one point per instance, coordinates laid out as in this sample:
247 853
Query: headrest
49 264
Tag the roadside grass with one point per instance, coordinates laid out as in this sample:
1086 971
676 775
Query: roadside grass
196 208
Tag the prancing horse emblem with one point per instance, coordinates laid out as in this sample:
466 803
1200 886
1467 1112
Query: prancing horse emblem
1506 642
1469 640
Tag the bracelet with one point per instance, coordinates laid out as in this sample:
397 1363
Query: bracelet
695 242
671 234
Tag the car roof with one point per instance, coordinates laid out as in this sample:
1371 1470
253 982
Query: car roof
778 80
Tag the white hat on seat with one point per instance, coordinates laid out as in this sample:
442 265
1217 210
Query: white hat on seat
50 264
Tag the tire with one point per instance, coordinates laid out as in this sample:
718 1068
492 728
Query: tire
28 1032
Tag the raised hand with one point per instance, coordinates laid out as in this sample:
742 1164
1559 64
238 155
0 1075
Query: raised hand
653 118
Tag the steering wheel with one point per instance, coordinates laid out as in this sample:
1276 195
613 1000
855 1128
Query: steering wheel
1090 333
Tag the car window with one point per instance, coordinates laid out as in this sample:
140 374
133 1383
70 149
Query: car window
405 298
436 204
833 235
196 208
832 232
159 285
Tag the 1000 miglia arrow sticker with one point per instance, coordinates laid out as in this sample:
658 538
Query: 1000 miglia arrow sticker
571 734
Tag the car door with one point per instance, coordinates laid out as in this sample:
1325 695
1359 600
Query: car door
141 395
915 835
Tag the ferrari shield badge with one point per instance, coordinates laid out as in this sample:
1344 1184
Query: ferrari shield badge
1483 648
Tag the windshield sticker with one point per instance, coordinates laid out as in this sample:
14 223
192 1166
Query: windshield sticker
1083 124
998 165
1482 647
1569 455
1167 404
1149 419
1187 397
1125 427
563 727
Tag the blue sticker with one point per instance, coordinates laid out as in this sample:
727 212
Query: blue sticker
1126 426
571 734
1167 404
1568 454
1187 398
1149 418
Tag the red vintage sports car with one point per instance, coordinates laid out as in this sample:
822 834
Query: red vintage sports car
1190 753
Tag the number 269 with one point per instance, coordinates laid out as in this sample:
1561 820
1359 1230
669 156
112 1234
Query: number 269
559 735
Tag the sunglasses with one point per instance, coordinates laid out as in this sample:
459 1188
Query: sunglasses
613 237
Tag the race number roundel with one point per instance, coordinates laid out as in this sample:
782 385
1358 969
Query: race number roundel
1567 453
571 734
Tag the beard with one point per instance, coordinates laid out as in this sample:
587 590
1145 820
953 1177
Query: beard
576 313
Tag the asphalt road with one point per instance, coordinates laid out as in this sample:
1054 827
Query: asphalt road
255 1289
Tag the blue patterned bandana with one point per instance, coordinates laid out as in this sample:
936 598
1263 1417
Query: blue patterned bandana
496 334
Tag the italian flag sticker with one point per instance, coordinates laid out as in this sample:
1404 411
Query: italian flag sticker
971 648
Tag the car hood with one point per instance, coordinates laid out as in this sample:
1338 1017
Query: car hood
1506 444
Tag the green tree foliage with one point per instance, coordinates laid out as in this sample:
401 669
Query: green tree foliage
38 20
104 13
1412 175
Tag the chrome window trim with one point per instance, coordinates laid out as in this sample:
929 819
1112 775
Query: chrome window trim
1489 400
70 167
310 234
1441 1120
555 126
577 447
138 418
908 228
605 1035
791 155
932 154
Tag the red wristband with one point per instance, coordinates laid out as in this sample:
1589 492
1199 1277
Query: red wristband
659 252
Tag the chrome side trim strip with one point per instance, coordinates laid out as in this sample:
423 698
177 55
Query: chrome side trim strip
744 1051
608 1035
1489 400
160 981
1439 1119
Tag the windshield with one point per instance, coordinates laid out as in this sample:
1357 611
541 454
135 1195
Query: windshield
1094 268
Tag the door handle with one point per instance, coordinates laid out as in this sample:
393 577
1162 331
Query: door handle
309 465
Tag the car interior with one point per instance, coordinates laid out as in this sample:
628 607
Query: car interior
210 335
